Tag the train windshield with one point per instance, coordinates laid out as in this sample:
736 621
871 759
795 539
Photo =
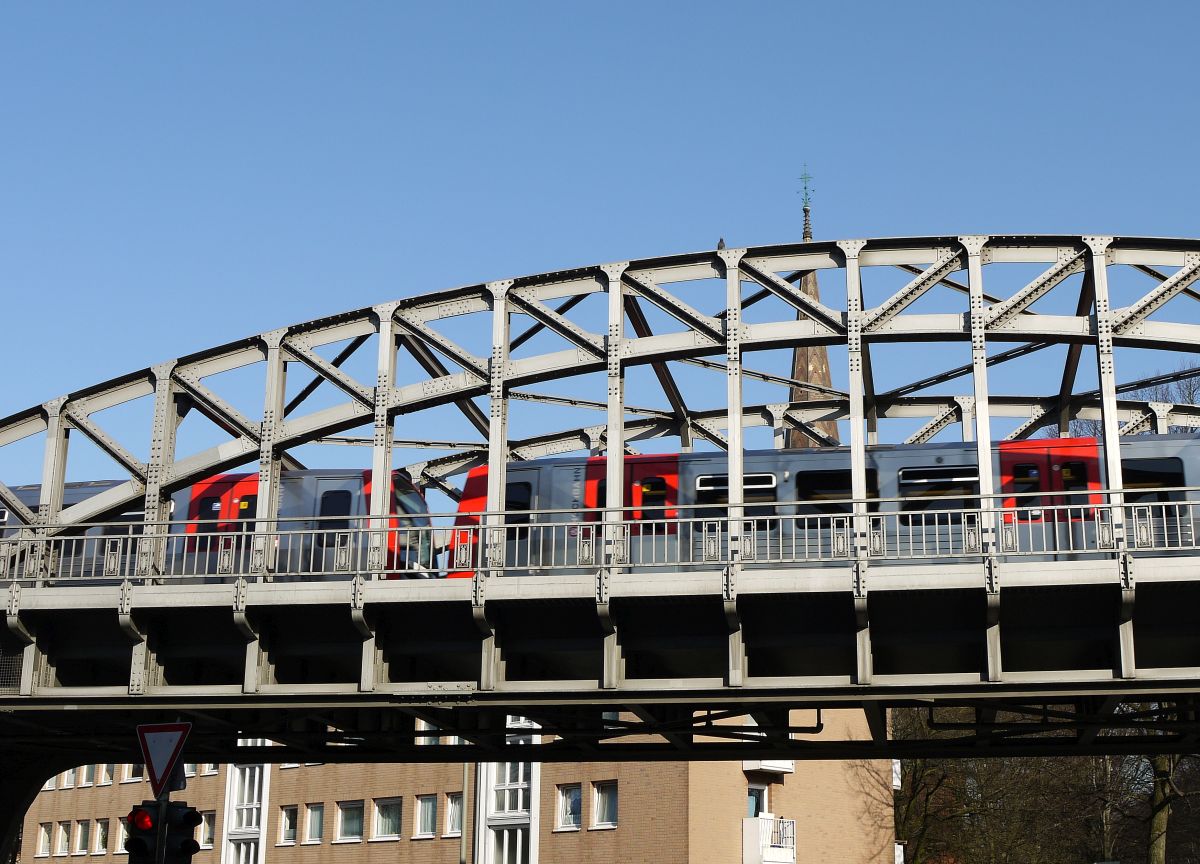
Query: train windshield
406 499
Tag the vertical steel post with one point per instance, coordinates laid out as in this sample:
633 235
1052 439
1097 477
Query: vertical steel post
738 535
269 457
616 527
493 539
1103 318
382 440
858 458
54 476
974 246
152 548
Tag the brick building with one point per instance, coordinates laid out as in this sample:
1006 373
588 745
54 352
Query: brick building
586 813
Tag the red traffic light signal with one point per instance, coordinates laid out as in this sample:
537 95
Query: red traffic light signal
142 840
140 819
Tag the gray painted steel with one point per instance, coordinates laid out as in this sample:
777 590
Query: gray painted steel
281 638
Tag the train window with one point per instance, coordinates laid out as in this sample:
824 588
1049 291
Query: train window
209 509
654 498
247 509
1145 478
757 489
828 492
1027 478
951 487
335 504
518 501
1074 478
118 530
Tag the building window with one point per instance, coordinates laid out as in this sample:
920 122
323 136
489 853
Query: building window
512 787
314 823
510 845
101 837
106 773
88 777
189 769
247 797
387 819
289 764
43 841
83 837
605 810
288 816
569 805
68 780
208 829
134 773
244 851
122 834
756 801
50 783
426 816
62 841
208 768
454 814
350 821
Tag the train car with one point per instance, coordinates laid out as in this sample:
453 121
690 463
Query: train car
797 503
319 527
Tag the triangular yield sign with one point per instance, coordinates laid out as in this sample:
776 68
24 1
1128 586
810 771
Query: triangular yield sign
161 745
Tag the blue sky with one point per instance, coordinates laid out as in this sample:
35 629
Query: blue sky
173 177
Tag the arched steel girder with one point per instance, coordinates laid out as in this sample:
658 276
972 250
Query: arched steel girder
704 297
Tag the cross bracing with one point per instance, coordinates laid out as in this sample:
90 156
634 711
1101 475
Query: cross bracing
678 353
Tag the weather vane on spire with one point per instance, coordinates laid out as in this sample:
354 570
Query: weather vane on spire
806 192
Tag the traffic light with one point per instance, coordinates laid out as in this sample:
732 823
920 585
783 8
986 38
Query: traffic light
180 843
142 840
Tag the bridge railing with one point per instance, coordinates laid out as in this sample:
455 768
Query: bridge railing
558 541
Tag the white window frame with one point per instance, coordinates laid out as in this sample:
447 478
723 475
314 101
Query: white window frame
208 829
376 815
208 768
419 811
308 823
342 807
87 776
295 811
122 836
107 770
83 837
50 784
97 848
45 836
189 769
597 787
68 778
451 798
764 789
62 838
560 809
127 773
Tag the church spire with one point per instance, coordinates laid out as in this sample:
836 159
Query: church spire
807 199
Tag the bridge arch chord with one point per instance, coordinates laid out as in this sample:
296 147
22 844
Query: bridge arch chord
713 311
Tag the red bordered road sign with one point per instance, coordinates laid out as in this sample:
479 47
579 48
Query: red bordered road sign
161 745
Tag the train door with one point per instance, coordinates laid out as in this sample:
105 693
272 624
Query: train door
221 521
1047 486
337 548
523 544
650 517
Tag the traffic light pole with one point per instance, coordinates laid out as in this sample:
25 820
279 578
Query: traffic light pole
160 828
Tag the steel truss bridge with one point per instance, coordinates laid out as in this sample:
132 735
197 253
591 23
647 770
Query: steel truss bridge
1078 631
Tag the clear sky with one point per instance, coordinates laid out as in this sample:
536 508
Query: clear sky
174 176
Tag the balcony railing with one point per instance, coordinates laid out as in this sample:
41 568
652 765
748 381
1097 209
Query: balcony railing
559 541
768 840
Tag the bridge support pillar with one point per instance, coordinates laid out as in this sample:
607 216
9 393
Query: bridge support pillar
864 663
24 777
